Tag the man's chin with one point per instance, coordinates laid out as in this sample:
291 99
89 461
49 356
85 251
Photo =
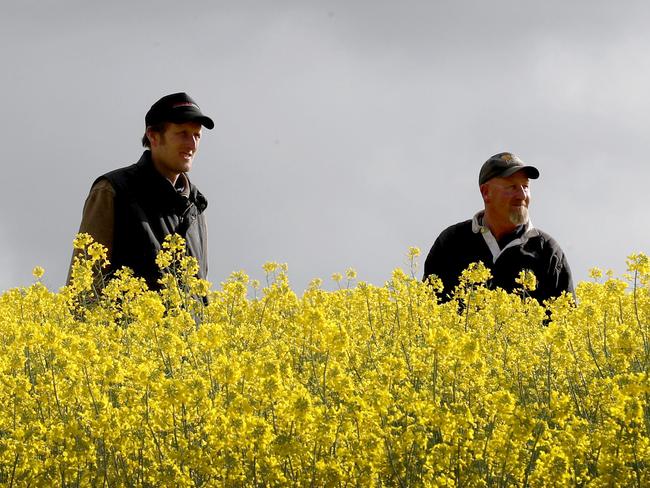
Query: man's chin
185 166
519 216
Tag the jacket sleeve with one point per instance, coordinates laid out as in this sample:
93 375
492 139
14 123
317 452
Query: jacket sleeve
431 262
564 277
98 217
559 278
437 264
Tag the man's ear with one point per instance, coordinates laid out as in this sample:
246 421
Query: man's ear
153 136
485 192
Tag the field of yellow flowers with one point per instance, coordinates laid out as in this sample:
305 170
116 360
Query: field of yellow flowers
252 385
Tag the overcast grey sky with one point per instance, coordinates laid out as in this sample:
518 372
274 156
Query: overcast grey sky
346 131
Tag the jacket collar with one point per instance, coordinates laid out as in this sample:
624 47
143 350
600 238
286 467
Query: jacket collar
490 240
161 186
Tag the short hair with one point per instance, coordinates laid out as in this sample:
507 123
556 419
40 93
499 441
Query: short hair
155 128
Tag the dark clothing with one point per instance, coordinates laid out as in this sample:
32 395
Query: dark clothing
147 207
515 234
526 249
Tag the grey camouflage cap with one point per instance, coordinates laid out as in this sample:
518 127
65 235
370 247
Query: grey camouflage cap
503 165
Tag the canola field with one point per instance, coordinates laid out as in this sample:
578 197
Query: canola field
363 386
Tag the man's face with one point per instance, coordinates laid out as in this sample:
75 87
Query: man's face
173 150
508 198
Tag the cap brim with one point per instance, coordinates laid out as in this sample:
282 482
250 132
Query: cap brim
206 122
531 171
191 117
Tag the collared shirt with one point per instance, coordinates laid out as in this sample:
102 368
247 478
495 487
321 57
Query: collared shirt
518 236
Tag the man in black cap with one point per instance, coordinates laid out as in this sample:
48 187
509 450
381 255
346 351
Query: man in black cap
131 210
501 236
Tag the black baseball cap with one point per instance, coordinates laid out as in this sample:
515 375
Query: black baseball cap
176 108
503 165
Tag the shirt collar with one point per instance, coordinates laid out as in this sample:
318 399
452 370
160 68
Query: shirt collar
182 185
478 227
492 244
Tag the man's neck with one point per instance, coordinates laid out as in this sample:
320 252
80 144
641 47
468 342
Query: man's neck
168 175
498 228
171 178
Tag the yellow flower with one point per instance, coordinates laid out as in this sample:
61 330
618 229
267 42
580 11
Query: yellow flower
595 273
638 262
476 273
369 386
527 280
414 252
38 272
315 284
270 267
82 240
163 260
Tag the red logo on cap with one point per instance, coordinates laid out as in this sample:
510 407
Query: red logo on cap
185 104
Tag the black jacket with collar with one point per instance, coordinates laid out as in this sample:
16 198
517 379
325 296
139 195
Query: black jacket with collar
462 244
148 208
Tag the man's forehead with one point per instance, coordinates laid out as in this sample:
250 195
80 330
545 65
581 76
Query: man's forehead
191 125
519 176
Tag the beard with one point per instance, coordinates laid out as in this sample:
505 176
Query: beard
519 216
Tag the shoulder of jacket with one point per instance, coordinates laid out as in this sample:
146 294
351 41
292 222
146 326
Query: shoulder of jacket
102 184
455 233
460 227
546 241
122 178
117 174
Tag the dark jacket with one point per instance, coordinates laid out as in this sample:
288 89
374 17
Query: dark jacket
148 208
466 242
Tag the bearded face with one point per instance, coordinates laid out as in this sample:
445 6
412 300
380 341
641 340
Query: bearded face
507 199
519 215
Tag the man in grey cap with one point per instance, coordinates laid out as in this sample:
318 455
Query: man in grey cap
501 236
131 210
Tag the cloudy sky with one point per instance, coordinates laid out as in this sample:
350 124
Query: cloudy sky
346 131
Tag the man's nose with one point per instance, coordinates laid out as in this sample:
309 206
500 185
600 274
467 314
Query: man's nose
192 141
521 192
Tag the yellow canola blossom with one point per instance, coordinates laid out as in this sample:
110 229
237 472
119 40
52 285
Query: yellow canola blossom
362 386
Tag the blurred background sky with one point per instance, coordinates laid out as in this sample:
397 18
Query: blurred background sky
346 131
